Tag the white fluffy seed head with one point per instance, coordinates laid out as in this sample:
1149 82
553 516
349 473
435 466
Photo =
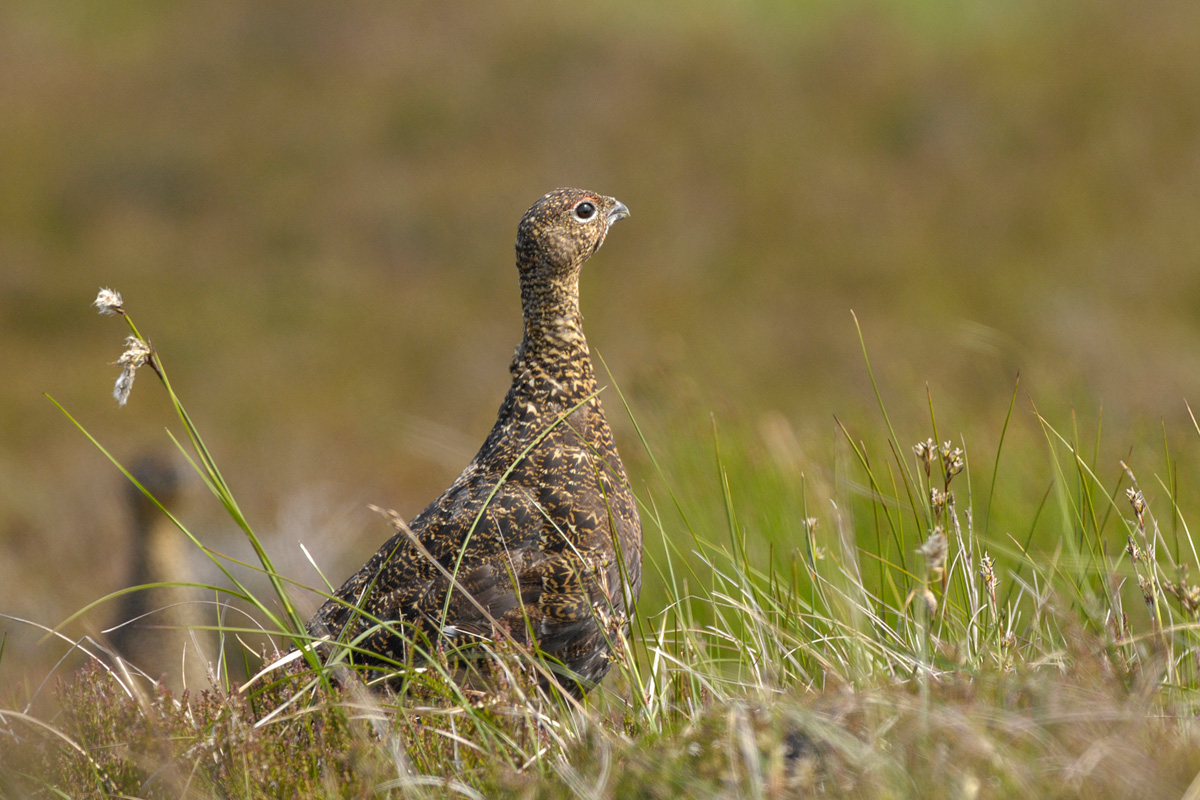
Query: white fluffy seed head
109 301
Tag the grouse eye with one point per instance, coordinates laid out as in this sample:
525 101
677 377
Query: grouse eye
585 211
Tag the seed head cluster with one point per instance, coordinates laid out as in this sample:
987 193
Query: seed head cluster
138 352
1134 550
951 459
1188 595
944 461
987 571
1137 500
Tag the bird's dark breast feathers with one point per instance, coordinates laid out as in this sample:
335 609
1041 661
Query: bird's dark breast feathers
540 530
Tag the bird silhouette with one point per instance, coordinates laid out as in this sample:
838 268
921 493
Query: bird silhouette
538 541
162 628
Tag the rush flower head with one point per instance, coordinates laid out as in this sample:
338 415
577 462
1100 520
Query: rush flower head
953 461
109 302
1189 598
987 571
1147 590
1135 552
1136 499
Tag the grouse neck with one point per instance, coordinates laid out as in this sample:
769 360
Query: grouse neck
554 344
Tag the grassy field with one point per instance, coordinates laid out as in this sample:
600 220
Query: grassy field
310 214
890 647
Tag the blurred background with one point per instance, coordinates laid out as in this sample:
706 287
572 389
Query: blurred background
310 211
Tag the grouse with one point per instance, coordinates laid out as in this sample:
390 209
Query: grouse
161 629
538 541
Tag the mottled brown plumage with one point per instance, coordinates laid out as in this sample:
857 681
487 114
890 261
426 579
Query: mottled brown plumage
541 528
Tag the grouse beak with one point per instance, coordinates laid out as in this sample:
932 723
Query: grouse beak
618 211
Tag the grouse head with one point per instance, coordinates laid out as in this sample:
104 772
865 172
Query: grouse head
559 232
161 478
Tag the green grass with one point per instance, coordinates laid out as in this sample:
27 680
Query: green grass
880 635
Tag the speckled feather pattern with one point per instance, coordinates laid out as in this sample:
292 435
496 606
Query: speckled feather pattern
541 526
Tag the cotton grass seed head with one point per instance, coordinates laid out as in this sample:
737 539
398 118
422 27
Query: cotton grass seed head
109 302
137 354
124 385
